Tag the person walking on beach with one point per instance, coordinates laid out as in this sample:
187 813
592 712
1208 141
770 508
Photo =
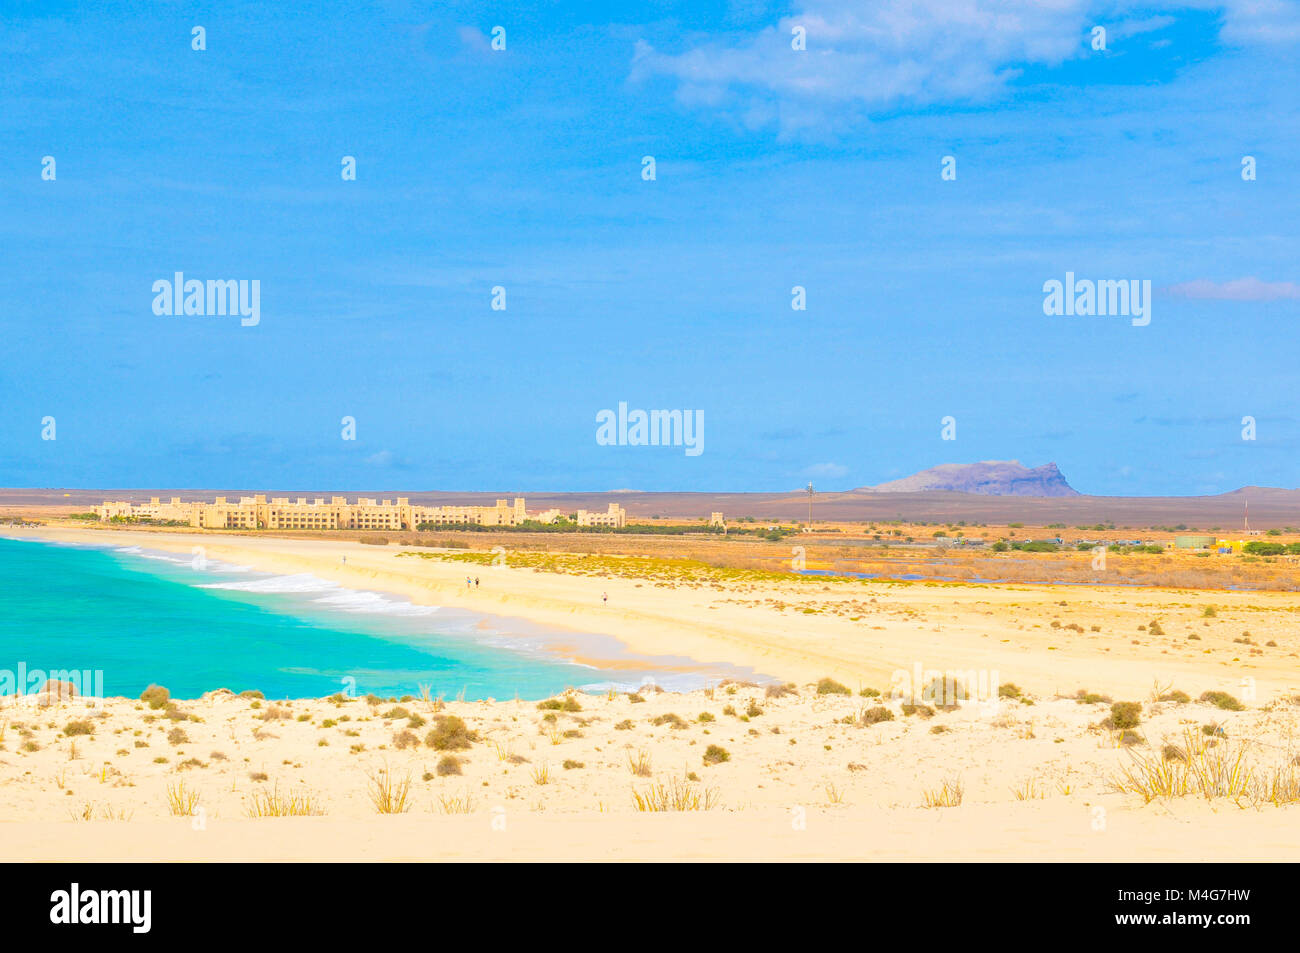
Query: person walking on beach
604 597
468 584
476 582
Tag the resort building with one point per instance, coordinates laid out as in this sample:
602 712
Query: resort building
256 512
615 517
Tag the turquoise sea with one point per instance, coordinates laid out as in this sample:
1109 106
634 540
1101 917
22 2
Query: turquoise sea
142 617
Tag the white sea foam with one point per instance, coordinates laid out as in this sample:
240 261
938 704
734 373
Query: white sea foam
298 582
160 557
354 600
336 597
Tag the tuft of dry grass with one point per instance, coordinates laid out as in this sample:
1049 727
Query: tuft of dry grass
1196 767
675 794
87 812
274 804
1027 790
452 804
181 802
947 794
640 764
389 795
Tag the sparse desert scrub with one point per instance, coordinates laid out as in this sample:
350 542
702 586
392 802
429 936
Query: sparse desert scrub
405 739
562 703
1084 697
874 716
675 794
450 733
155 696
828 686
1222 700
78 728
1124 715
715 754
448 764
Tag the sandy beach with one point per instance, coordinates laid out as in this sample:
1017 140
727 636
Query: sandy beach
1047 639
782 766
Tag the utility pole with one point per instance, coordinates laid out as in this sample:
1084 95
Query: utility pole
811 492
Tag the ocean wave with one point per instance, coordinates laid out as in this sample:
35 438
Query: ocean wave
335 597
160 557
297 582
353 600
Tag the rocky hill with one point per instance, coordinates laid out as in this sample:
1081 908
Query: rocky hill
989 477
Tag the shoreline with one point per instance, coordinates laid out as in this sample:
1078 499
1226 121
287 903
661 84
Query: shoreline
608 661
1052 640
813 771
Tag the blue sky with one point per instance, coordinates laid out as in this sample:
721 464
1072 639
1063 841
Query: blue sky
522 168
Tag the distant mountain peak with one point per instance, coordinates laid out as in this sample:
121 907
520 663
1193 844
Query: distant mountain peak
988 477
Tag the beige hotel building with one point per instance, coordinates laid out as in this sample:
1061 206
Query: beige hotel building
256 512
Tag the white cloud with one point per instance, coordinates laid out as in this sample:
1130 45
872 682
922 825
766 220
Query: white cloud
1240 289
827 470
890 53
